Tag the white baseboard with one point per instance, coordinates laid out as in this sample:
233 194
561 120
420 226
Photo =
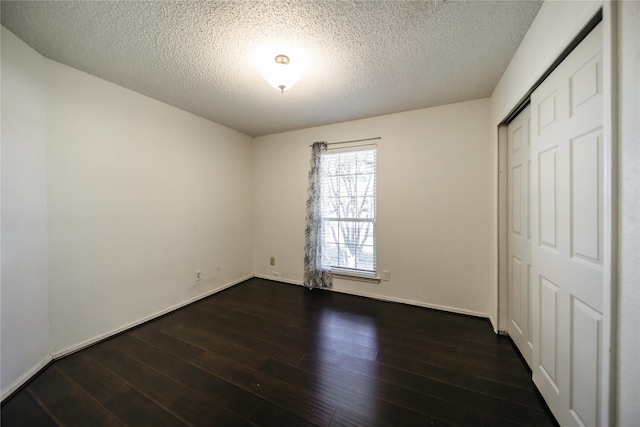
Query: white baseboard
77 347
278 279
413 302
26 377
494 324
386 298
69 350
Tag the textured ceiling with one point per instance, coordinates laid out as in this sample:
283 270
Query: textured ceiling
359 58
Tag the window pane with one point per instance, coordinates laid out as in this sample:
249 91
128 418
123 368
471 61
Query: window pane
366 185
367 238
346 207
347 185
334 186
331 232
332 253
349 194
366 162
365 261
350 232
346 165
366 207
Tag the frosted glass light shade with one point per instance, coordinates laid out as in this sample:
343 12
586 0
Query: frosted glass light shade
280 74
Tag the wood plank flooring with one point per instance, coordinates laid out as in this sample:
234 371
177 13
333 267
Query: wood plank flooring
269 354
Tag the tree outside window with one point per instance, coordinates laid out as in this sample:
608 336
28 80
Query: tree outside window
349 209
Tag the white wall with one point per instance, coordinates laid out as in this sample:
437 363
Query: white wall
629 244
26 336
135 195
433 205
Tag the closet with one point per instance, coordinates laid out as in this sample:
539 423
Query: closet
555 235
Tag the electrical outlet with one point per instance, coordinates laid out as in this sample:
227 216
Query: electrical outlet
386 275
198 275
272 261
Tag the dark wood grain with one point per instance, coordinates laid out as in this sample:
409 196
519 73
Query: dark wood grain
269 354
66 402
135 409
23 410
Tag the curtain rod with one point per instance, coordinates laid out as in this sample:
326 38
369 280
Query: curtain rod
354 140
354 146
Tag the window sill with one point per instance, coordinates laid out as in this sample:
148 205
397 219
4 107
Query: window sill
350 275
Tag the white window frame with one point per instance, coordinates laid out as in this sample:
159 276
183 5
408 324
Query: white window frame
343 271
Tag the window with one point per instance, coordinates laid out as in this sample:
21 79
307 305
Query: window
349 210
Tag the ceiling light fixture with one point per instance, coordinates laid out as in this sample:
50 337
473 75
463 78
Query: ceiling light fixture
280 74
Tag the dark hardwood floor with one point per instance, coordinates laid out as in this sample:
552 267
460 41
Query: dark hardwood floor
269 354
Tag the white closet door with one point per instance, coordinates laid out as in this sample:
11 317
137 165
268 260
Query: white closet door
519 264
567 233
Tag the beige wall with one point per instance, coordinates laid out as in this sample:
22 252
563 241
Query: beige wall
24 289
433 205
125 197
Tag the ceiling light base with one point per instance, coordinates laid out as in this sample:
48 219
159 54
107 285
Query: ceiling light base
281 74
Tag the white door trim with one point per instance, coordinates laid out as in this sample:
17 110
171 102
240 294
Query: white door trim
610 219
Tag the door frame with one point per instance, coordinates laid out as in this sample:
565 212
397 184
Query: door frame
608 15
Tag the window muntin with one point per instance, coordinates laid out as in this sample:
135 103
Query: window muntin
349 210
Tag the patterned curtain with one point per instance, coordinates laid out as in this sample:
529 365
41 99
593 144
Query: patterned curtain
317 270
